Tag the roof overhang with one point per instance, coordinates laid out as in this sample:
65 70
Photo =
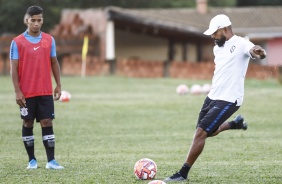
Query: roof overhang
136 24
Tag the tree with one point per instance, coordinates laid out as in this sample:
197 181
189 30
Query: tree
222 3
12 15
258 2
12 11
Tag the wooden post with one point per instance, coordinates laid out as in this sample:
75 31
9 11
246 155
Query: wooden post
110 46
280 74
199 52
184 51
5 65
170 58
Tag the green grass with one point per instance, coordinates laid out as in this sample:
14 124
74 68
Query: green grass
111 122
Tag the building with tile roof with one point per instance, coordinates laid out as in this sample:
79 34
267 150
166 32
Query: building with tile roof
177 34
168 37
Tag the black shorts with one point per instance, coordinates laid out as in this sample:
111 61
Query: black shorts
214 113
39 108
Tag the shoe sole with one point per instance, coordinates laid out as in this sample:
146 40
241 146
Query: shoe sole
31 168
175 179
53 168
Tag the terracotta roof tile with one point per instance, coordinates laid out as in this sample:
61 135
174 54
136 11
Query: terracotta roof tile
245 21
254 22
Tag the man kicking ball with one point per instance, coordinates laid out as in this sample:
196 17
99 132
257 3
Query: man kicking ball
232 54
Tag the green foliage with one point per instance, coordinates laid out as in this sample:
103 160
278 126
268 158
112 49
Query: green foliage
12 11
12 15
132 4
111 122
222 3
259 2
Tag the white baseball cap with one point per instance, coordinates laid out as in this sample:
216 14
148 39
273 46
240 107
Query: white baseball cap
219 21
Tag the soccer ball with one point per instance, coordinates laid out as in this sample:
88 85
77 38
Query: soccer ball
157 182
182 89
145 169
196 89
206 88
65 96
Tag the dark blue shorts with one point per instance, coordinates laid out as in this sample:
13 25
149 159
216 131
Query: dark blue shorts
39 108
214 113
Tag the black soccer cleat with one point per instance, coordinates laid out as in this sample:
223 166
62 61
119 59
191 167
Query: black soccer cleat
175 177
239 123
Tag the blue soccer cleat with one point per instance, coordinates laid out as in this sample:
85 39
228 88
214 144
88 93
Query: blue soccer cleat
53 164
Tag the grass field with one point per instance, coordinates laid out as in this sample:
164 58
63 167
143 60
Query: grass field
111 122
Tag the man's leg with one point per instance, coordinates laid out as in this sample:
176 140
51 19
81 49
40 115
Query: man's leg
223 127
211 121
200 137
28 140
27 115
237 123
195 150
46 115
48 138
197 146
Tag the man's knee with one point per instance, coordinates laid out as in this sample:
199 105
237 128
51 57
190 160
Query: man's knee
201 133
28 123
46 123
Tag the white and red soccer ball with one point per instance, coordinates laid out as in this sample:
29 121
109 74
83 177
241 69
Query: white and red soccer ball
65 96
196 89
182 89
206 88
145 169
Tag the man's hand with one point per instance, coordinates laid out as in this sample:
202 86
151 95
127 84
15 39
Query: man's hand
20 99
258 52
57 93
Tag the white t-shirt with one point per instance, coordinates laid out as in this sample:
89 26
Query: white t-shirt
231 64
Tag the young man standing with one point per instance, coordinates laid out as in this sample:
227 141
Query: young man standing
32 57
232 54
